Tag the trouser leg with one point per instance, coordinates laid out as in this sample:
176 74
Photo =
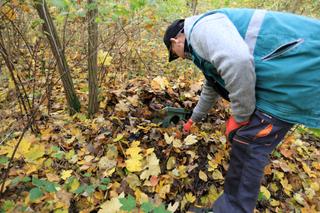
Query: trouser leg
250 151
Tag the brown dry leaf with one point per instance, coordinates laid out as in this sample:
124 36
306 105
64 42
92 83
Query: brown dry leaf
134 100
53 177
122 106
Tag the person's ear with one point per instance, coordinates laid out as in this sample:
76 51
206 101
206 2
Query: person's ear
174 40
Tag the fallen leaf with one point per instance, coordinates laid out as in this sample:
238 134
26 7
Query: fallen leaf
152 168
265 192
216 175
203 176
190 197
297 197
65 174
190 140
159 83
133 163
111 206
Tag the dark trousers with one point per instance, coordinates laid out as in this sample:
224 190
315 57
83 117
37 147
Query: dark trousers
251 146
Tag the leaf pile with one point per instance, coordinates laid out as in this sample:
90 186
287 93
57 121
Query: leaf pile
124 161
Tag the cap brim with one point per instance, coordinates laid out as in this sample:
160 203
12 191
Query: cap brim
172 56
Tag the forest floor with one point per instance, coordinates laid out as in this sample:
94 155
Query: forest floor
123 160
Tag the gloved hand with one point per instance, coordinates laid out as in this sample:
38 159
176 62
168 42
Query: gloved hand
232 126
187 126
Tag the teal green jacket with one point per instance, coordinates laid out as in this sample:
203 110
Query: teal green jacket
285 49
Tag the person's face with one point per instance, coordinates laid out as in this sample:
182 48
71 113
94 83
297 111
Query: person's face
177 45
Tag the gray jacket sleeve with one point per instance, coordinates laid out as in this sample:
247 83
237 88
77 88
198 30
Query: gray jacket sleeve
217 40
207 98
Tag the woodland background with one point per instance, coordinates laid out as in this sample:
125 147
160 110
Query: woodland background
82 85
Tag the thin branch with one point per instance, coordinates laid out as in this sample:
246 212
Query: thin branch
145 65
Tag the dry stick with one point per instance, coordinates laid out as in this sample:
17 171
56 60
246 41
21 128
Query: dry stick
32 53
30 121
12 156
7 136
37 45
21 35
64 34
11 68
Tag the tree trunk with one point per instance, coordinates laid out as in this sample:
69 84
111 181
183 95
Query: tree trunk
51 33
92 58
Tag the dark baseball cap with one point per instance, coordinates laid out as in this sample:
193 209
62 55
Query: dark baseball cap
171 32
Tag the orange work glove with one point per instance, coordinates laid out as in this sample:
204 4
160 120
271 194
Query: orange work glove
187 126
232 126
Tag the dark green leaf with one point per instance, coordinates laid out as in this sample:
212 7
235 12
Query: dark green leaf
261 196
90 189
26 179
103 187
37 182
35 193
81 189
50 187
15 181
277 154
128 204
147 207
160 209
46 185
58 155
87 175
105 181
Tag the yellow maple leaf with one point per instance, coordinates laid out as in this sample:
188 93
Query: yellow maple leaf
133 163
152 166
74 185
36 152
104 58
287 187
65 174
190 197
307 169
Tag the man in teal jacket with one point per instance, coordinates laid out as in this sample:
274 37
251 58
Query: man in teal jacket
267 64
